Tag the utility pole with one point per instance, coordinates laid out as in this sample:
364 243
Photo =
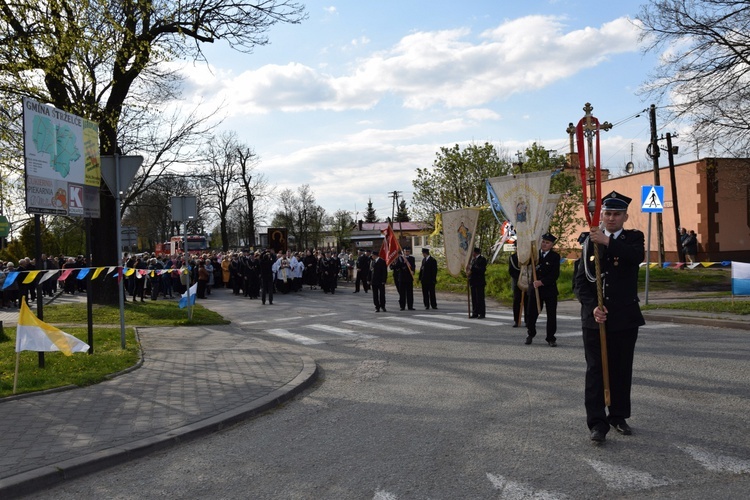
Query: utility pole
653 151
519 155
675 207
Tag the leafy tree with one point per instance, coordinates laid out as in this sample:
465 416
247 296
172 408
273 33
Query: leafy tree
99 59
402 215
457 180
568 212
342 224
704 49
370 215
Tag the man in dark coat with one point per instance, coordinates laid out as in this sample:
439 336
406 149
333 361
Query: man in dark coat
363 272
477 283
547 272
379 276
428 277
620 253
266 275
514 270
404 267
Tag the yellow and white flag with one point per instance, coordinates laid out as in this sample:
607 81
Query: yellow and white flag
33 334
459 230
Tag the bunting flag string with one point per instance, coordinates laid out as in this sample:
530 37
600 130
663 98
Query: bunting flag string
29 277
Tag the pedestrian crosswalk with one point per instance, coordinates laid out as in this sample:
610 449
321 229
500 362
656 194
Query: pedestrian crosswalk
335 327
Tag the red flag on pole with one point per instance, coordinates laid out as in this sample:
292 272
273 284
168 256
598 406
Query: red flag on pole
390 249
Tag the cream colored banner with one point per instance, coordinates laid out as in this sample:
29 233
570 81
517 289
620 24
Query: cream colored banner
459 229
549 212
524 198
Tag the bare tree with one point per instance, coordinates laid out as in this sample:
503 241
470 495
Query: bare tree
704 48
254 185
97 59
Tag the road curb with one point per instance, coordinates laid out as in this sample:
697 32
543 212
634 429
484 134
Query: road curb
693 320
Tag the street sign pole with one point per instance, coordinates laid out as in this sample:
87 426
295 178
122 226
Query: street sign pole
652 202
648 254
118 172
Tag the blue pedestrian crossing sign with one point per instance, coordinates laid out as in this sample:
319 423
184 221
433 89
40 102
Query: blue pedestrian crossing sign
652 199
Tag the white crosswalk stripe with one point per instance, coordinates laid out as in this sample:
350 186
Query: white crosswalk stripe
623 478
431 324
340 331
379 326
286 334
461 319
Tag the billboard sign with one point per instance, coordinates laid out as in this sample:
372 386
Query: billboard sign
61 157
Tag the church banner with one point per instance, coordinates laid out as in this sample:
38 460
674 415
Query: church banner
524 198
459 230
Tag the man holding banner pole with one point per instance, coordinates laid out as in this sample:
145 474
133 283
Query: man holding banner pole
611 317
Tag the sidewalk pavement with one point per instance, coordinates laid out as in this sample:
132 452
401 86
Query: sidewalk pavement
182 388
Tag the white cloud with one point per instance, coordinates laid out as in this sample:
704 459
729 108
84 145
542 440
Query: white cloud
426 69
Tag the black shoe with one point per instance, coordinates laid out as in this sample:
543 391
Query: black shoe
377 309
552 343
434 307
384 310
528 341
427 307
412 309
355 291
515 325
481 316
598 436
402 308
474 316
623 428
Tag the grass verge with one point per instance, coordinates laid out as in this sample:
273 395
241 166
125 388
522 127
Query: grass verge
108 358
80 369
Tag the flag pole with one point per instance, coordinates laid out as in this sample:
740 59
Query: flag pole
533 274
15 377
589 128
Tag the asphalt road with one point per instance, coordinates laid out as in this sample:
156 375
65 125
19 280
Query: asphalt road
429 404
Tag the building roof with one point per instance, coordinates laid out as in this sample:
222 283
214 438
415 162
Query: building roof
397 226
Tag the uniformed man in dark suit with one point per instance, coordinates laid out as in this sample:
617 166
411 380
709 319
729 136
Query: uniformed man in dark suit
620 253
363 272
379 276
545 282
403 269
428 277
477 282
514 270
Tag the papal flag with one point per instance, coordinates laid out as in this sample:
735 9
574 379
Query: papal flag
459 231
524 200
33 334
740 278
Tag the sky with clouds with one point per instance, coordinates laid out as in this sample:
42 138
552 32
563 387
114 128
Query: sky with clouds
359 95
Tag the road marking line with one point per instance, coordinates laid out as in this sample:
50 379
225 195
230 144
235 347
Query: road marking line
431 324
340 331
286 334
464 319
660 326
717 463
384 495
512 490
378 326
623 478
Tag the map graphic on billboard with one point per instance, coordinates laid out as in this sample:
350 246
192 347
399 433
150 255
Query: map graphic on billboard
61 153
